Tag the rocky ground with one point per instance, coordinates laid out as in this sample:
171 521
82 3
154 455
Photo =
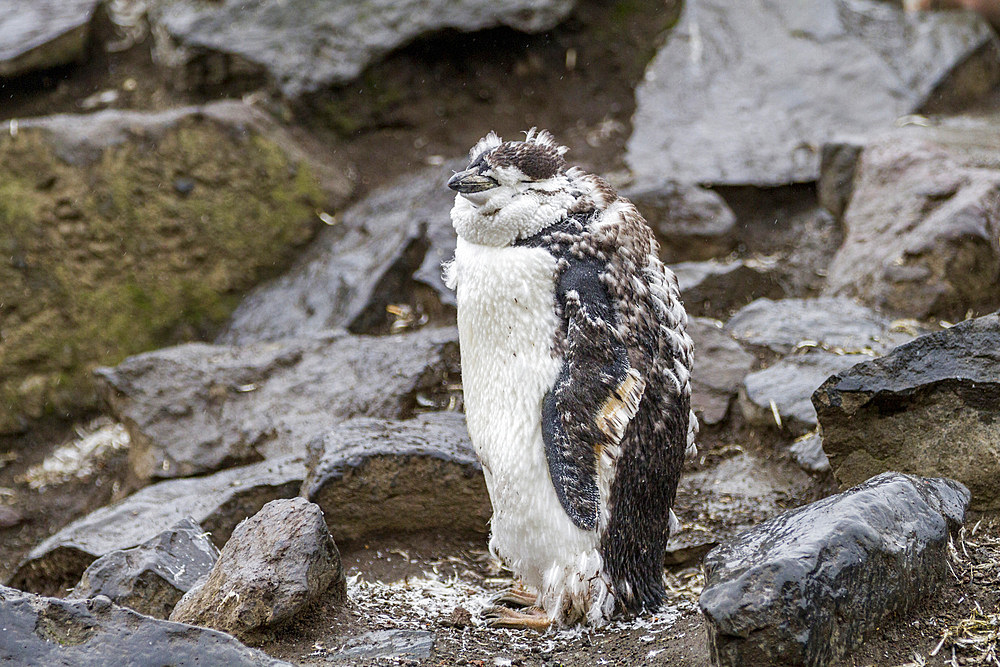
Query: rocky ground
223 292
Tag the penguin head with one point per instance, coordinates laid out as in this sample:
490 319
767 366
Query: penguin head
512 189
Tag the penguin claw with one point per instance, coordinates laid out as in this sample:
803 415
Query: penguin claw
530 618
515 596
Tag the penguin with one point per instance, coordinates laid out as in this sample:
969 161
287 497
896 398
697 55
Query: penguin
576 369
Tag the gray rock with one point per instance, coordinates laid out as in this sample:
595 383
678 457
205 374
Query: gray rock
276 564
807 450
151 577
387 644
304 45
721 364
218 502
832 324
196 408
43 33
692 223
764 85
838 161
811 585
49 631
372 257
931 407
922 231
374 476
789 384
716 289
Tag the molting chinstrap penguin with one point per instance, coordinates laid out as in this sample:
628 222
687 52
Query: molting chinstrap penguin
576 372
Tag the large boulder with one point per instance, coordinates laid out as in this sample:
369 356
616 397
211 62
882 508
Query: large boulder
931 407
126 231
217 502
44 33
746 93
922 229
809 586
276 564
49 631
375 476
304 45
196 408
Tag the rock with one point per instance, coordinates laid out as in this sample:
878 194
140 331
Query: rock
789 384
374 476
276 564
716 288
151 577
217 502
922 235
102 258
931 407
766 84
43 34
304 45
197 408
372 257
807 450
837 325
49 631
397 645
722 364
691 223
837 165
809 586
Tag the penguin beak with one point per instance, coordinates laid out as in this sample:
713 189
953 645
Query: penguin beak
471 181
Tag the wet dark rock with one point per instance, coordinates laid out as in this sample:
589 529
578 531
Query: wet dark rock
787 387
388 644
691 223
931 407
765 85
716 289
217 502
808 452
304 45
196 408
43 34
49 631
721 364
809 586
380 251
151 577
922 230
374 476
276 564
837 165
834 324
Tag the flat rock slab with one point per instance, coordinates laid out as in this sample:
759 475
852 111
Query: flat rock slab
828 323
276 564
303 45
922 229
387 645
374 256
717 289
197 408
746 94
151 577
374 476
217 502
807 587
722 364
43 33
931 407
50 631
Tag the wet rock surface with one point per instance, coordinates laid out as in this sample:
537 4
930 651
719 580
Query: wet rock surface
375 476
196 408
276 564
716 289
722 364
766 85
217 502
930 407
923 224
49 631
309 44
151 577
44 34
388 644
809 586
808 452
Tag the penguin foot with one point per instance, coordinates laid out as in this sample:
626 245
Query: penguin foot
515 596
529 618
